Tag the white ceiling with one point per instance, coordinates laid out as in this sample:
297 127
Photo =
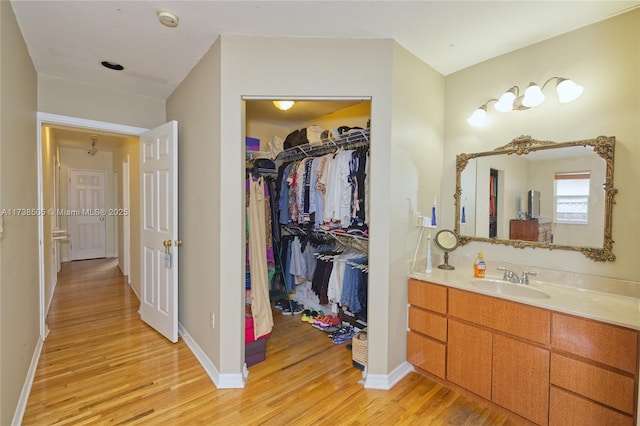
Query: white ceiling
69 39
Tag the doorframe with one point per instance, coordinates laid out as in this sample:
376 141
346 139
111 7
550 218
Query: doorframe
126 224
44 118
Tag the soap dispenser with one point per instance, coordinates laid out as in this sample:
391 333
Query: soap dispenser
479 267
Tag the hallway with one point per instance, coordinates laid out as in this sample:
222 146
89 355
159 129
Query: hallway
102 365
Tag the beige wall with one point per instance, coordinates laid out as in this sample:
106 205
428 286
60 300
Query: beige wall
63 97
212 263
413 169
130 147
50 248
19 325
195 104
605 59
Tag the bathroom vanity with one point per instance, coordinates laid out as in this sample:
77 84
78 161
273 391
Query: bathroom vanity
567 357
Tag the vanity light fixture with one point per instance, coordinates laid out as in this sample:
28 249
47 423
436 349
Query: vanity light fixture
283 105
511 100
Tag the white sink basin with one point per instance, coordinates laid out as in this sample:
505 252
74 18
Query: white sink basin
510 289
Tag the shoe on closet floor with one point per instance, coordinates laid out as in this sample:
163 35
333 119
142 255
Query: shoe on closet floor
309 315
280 303
343 335
293 308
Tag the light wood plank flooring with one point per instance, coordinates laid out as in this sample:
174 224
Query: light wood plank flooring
102 365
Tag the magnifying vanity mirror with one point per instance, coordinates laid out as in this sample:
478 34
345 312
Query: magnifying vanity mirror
446 241
531 193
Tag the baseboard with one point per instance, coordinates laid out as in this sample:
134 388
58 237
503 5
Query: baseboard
133 290
222 381
387 381
26 387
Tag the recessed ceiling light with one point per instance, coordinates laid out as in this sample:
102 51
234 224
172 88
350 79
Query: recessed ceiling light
112 65
167 18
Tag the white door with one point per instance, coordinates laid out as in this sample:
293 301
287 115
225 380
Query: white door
87 214
159 229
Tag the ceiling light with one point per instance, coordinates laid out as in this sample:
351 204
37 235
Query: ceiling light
567 90
112 65
283 105
167 18
93 150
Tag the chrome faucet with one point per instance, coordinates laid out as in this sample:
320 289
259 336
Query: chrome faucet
512 277
524 279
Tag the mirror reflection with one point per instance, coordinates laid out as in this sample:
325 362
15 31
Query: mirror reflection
532 193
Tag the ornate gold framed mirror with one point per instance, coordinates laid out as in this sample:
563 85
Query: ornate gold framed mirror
532 193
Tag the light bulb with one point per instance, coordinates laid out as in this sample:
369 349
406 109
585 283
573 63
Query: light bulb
479 117
568 90
533 96
505 103
283 105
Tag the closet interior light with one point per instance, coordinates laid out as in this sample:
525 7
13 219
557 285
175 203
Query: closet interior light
511 100
283 105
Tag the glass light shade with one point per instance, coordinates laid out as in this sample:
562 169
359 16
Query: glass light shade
568 91
283 105
533 96
479 117
505 103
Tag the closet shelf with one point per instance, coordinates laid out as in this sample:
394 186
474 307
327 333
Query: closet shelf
354 139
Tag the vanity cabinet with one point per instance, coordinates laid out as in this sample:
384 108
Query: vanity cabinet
427 336
506 360
538 230
470 357
544 366
520 380
593 372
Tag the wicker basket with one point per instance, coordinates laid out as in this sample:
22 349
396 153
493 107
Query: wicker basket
359 347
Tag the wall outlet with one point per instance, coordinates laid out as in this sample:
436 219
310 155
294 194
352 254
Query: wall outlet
212 319
426 222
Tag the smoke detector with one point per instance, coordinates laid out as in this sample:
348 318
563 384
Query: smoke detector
167 18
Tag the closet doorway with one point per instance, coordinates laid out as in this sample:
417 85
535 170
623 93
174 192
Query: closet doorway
307 257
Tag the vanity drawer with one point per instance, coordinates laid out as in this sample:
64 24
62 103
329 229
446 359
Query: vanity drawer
510 317
609 344
428 296
426 354
567 409
428 323
607 387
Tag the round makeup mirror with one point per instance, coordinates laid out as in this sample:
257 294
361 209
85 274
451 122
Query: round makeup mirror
446 241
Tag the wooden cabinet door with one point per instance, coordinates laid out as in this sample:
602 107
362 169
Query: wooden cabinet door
426 354
521 378
568 409
428 296
469 358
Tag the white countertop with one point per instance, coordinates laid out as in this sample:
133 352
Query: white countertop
607 307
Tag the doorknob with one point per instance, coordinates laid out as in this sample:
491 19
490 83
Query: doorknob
178 243
166 243
102 219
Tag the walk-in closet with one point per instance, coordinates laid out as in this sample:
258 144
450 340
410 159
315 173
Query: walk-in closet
307 234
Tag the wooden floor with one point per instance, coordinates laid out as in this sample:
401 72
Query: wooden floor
102 365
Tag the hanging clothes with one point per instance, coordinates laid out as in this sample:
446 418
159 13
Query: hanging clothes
260 303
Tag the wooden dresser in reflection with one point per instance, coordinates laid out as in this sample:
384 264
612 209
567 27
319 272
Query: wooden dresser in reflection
538 230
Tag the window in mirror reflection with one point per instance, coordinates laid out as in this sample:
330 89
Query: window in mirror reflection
572 197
